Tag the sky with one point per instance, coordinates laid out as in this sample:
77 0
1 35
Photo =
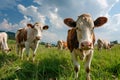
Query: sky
15 14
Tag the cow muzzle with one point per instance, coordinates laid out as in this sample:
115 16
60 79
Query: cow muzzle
86 45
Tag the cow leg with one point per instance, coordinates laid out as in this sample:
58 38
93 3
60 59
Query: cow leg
87 65
22 51
27 47
18 50
76 64
34 48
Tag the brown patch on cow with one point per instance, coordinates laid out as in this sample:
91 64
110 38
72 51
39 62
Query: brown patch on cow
30 25
100 21
64 45
22 35
72 41
70 22
45 27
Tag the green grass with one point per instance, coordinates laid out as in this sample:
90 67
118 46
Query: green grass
54 63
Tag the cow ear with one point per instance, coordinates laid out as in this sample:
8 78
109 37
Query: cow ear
45 27
100 21
70 22
30 25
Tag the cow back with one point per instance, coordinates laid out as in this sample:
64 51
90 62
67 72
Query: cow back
72 41
21 35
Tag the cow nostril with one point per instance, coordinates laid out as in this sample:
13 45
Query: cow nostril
82 44
86 43
89 44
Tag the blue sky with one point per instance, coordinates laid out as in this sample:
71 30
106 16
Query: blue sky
15 14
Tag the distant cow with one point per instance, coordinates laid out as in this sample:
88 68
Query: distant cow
61 44
29 37
103 44
3 42
81 40
48 45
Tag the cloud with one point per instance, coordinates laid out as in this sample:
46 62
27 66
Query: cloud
111 30
23 22
6 26
49 36
74 8
31 11
55 19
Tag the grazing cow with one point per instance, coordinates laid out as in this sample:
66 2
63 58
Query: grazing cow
48 45
29 37
103 44
81 39
3 42
61 44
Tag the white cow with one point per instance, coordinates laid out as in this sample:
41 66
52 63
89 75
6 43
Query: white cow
81 39
29 37
101 43
3 42
61 44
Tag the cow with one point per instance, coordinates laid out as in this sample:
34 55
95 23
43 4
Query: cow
3 42
48 45
29 37
61 44
81 39
101 43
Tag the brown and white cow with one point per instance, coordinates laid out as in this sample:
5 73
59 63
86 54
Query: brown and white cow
3 42
48 45
29 37
61 44
101 43
81 40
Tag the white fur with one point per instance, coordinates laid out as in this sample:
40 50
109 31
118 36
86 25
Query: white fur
3 42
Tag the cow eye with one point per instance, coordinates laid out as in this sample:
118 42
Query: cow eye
78 29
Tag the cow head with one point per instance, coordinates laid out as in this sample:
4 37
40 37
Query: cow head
84 26
6 51
37 29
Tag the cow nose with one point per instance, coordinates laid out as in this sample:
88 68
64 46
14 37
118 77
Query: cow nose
86 44
37 37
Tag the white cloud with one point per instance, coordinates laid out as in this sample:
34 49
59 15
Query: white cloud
49 36
111 30
24 21
55 19
31 11
6 26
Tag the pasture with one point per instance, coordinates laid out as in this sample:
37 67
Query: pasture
54 64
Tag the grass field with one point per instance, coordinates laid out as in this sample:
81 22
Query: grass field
52 63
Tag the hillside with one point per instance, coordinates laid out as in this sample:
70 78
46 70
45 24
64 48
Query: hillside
11 35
